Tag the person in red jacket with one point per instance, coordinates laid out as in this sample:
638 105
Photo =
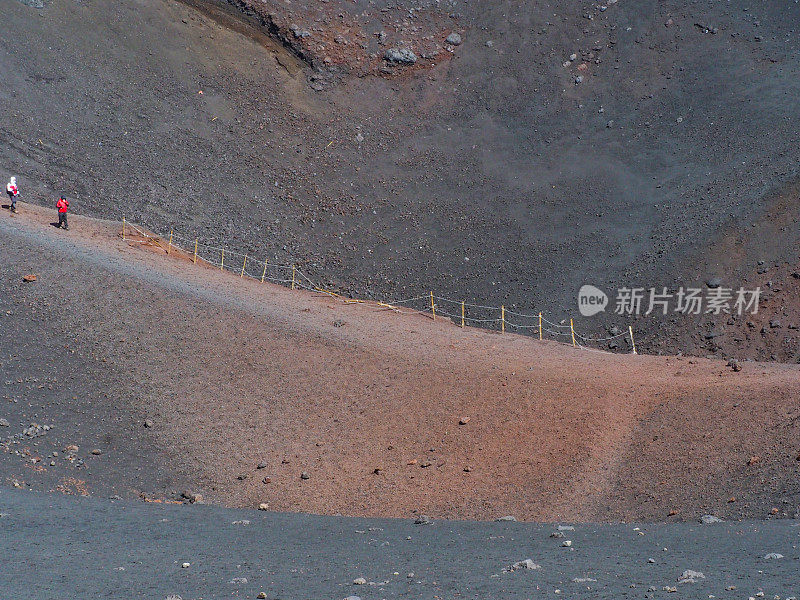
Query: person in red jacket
13 192
62 205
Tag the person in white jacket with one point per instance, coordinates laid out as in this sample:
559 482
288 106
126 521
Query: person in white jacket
13 192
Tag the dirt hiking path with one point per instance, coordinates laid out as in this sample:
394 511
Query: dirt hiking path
352 410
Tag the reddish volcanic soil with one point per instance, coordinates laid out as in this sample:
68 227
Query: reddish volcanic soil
231 373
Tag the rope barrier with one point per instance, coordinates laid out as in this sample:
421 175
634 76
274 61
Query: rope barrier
296 279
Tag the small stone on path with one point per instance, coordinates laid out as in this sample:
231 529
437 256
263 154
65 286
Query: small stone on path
709 519
689 576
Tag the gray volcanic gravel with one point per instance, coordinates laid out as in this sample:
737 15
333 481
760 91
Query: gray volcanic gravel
69 547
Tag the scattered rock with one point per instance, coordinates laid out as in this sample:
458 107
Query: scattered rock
261 595
304 475
713 282
238 580
261 466
526 564
36 430
241 522
454 39
192 498
773 556
402 56
148 423
422 520
96 451
263 506
689 576
753 460
583 580
4 423
338 323
706 28
775 323
299 33
507 518
29 278
359 581
709 519
463 420
186 565
567 543
566 528
735 365
557 534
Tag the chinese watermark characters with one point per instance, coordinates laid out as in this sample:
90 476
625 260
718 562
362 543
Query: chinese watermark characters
655 301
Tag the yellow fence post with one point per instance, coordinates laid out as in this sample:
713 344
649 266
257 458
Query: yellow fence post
123 229
502 319
540 325
630 331
572 331
194 260
169 246
293 277
244 263
433 307
264 272
462 314
222 262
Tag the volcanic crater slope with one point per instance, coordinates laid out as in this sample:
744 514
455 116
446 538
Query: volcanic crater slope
559 144
130 372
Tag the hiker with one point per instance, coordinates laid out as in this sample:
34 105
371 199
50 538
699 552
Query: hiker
62 205
13 192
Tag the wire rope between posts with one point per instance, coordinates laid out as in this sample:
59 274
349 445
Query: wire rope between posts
604 339
238 262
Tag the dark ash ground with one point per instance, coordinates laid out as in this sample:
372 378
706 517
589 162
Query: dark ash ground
101 549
